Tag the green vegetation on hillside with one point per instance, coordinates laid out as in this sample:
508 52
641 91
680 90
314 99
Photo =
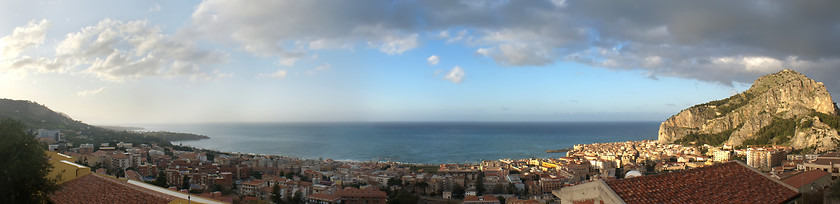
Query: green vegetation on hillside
698 139
174 136
37 116
832 121
727 105
779 131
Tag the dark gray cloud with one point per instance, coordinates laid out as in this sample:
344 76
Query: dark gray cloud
717 41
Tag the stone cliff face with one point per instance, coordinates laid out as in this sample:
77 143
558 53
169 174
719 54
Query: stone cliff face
786 95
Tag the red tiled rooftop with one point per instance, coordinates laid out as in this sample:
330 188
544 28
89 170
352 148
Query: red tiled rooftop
827 161
360 193
730 182
832 154
800 179
133 175
485 198
323 197
96 188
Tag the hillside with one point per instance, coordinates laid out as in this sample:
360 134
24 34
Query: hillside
784 108
37 116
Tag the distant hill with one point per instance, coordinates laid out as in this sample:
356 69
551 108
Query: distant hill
784 108
37 116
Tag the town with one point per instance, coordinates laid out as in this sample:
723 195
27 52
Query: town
251 178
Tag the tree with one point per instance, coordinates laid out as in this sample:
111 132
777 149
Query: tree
24 166
458 192
498 188
501 199
256 174
404 197
422 186
479 184
185 184
276 197
511 189
297 198
160 180
394 181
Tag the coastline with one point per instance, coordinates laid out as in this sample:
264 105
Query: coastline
415 143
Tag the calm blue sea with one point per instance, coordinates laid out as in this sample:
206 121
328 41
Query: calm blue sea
414 142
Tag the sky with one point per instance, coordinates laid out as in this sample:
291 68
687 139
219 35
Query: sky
128 62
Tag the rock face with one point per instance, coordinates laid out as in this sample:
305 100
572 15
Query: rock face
783 95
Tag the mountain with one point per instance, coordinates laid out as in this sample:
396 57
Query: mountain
37 116
784 108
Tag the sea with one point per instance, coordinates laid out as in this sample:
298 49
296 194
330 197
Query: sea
409 142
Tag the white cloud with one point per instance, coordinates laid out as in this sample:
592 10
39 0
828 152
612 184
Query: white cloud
461 35
559 3
116 50
154 8
86 93
671 39
279 74
652 61
393 45
438 72
22 38
323 67
318 69
433 60
484 51
456 75
523 55
287 61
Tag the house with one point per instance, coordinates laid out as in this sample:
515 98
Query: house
353 195
252 187
809 181
320 198
829 162
486 199
49 134
730 182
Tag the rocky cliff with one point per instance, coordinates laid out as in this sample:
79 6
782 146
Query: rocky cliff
785 108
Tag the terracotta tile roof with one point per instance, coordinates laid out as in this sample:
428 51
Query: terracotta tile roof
800 179
730 182
361 193
96 188
323 197
133 175
827 161
483 199
832 154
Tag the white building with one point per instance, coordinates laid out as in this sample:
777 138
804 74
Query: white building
722 155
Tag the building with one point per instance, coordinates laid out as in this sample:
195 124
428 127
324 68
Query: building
354 196
486 199
49 134
252 187
122 160
78 184
86 148
829 162
809 181
730 182
97 188
549 182
64 169
320 198
764 158
722 155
